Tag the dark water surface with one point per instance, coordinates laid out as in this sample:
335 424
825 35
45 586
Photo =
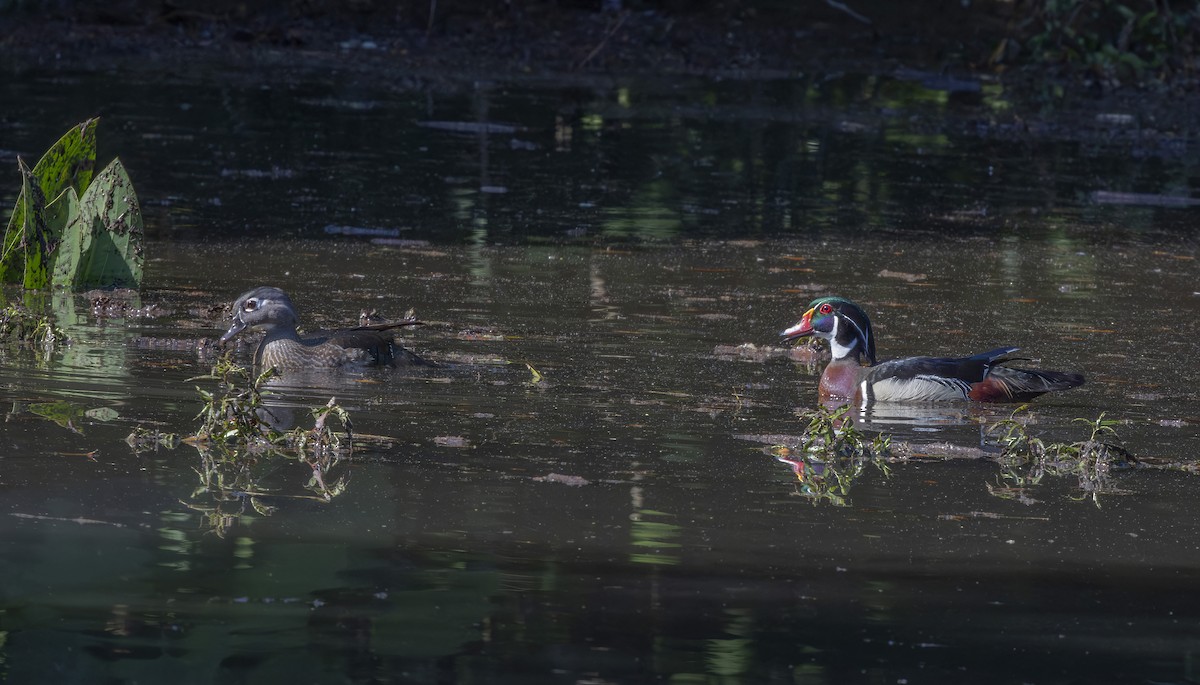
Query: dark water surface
618 238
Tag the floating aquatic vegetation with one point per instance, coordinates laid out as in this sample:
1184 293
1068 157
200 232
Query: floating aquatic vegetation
831 454
1026 460
536 379
321 448
23 327
234 414
234 426
240 448
151 440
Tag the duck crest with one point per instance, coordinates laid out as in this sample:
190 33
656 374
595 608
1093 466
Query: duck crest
852 329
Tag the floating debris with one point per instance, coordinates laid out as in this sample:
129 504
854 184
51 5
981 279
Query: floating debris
805 354
451 441
573 481
470 127
902 276
1105 197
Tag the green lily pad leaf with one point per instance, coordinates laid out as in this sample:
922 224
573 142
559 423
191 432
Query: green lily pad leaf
69 163
25 252
31 246
60 213
103 246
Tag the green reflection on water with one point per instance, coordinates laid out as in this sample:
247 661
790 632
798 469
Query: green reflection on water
733 656
646 217
994 97
656 535
243 549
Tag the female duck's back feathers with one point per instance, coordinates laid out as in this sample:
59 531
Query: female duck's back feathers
376 340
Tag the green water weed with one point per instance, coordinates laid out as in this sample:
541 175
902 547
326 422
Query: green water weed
831 454
1025 460
20 326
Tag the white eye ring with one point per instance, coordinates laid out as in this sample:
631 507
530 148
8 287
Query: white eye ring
250 305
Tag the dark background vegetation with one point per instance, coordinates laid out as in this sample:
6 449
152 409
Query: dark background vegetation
1100 44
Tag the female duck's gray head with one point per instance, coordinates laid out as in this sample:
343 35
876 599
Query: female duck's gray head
261 309
844 324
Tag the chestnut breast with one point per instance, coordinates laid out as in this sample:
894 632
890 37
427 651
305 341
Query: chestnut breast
841 380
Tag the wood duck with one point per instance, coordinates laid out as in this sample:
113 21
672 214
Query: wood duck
981 377
270 310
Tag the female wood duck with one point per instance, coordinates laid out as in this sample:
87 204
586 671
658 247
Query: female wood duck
916 379
270 310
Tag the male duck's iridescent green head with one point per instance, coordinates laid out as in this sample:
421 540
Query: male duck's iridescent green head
844 324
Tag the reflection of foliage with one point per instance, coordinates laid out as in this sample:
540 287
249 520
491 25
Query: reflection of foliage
831 455
1114 40
1025 460
23 327
239 447
147 440
228 481
655 542
234 427
67 414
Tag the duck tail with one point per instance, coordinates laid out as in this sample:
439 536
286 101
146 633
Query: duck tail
1008 384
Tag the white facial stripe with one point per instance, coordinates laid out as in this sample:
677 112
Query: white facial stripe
856 327
862 335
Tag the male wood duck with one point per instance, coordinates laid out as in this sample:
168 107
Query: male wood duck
981 377
270 310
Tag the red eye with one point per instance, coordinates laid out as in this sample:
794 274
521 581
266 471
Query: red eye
825 308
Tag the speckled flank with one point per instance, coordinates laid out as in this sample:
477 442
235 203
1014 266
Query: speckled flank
287 354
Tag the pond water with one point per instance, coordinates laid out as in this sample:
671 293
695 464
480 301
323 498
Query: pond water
622 238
